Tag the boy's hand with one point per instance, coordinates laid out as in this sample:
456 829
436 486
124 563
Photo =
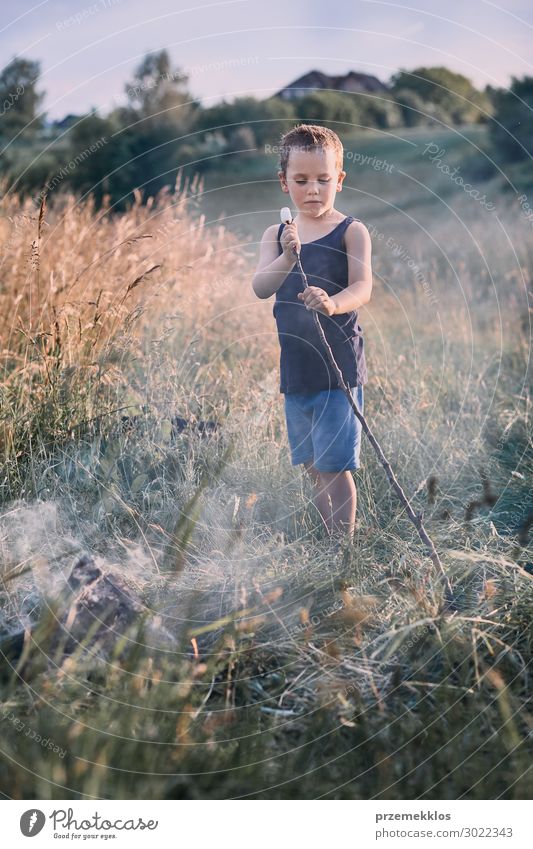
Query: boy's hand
289 240
315 298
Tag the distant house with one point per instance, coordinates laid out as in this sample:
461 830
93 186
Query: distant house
51 129
317 81
67 121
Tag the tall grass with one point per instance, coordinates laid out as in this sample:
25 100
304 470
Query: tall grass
294 674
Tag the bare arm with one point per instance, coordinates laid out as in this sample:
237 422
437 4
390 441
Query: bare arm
359 289
271 268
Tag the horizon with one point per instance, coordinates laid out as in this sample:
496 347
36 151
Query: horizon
89 51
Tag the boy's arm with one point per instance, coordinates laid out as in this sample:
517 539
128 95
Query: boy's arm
271 268
359 252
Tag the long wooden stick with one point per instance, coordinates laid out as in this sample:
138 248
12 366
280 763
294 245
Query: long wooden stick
415 518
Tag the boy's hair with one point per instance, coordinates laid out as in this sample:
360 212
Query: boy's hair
309 137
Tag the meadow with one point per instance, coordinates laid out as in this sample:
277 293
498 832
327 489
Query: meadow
294 673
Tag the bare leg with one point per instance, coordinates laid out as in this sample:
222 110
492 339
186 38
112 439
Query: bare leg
340 486
321 498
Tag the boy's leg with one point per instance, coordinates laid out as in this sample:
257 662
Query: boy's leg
336 445
341 489
321 498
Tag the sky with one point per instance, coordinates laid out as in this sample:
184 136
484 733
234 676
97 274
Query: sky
88 49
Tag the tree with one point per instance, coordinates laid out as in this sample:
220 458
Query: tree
379 111
267 119
511 131
414 110
319 107
351 108
19 99
453 94
158 94
160 112
100 159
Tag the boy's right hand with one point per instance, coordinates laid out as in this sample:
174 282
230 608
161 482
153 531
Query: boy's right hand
290 241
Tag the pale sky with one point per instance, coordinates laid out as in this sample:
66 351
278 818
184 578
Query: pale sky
247 47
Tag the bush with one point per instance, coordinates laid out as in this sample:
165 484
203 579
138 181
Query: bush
452 93
268 119
511 131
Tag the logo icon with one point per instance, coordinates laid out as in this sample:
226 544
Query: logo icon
32 822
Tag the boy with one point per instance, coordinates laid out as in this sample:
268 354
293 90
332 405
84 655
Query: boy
324 432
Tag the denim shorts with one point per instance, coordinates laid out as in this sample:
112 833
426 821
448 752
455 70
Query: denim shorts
323 428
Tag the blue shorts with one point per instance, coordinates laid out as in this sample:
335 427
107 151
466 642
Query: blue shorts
323 428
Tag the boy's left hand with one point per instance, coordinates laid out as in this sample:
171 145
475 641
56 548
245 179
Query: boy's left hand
315 298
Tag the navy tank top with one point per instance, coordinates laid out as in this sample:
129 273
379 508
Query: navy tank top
304 364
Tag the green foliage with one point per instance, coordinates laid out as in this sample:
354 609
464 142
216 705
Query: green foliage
143 147
163 129
511 131
109 169
137 146
265 120
320 107
152 128
415 110
352 110
454 97
19 99
158 94
382 112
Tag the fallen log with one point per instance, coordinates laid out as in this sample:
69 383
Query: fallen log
96 616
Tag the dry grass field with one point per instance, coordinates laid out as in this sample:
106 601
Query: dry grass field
141 422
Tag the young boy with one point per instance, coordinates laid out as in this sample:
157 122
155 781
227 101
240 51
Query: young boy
324 432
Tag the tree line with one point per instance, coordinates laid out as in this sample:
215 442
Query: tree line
162 127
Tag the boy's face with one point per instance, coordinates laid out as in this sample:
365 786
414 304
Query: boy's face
312 180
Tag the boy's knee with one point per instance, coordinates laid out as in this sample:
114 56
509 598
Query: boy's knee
331 477
325 479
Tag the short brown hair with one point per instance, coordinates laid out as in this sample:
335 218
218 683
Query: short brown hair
309 137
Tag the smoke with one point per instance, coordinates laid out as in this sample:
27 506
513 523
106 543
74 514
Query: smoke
40 542
230 558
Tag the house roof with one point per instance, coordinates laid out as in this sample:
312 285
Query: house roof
352 81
